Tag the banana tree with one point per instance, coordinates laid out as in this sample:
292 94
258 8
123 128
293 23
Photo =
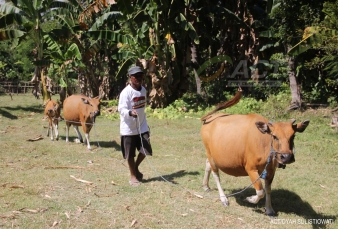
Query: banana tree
32 18
63 61
322 39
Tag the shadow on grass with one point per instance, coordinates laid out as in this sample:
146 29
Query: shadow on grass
109 144
6 111
287 202
102 144
171 177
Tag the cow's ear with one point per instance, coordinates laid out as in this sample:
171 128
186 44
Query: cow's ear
300 127
263 127
85 101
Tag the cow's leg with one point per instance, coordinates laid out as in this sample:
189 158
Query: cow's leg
76 128
51 129
258 186
215 173
86 129
56 123
67 131
268 207
206 176
48 128
222 196
87 140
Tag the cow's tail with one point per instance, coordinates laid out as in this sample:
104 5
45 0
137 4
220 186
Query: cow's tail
224 105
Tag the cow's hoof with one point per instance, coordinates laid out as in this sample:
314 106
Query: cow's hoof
225 203
78 141
206 189
252 199
270 213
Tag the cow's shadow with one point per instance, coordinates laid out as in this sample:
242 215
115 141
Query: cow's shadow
284 201
5 111
99 144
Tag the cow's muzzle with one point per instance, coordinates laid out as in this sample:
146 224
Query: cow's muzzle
94 114
51 112
287 158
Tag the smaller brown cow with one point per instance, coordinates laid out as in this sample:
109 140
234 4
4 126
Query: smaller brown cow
80 110
52 111
247 145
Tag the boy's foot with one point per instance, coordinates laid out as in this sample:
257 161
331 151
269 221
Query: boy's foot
134 183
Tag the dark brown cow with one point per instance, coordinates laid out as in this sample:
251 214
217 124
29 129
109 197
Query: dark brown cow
80 110
247 145
52 111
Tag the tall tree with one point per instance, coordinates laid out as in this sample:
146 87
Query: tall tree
31 18
291 17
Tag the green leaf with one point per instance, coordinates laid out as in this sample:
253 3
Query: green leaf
213 60
73 51
111 36
124 67
62 83
264 47
312 37
54 48
105 17
10 34
187 26
268 34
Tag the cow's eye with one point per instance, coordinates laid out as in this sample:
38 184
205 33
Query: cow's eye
275 137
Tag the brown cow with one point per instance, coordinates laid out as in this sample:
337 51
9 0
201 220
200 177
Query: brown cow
247 145
52 111
80 110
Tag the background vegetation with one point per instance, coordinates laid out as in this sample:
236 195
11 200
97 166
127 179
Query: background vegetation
193 46
38 186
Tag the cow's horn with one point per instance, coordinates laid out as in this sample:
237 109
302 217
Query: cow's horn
293 121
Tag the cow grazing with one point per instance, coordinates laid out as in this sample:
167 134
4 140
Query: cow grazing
52 111
247 145
80 110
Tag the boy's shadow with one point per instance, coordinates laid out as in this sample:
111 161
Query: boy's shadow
109 144
170 177
287 202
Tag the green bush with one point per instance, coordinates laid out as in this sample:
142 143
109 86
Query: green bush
192 106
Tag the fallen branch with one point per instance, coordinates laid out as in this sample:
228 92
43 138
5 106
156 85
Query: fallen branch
80 180
64 167
35 139
109 195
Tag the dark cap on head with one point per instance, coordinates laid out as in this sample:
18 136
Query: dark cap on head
133 70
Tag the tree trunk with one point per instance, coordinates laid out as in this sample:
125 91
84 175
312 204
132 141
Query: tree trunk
44 91
195 67
295 93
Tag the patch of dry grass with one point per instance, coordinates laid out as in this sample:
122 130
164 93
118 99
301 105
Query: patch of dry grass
46 184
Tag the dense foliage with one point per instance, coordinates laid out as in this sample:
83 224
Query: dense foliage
195 48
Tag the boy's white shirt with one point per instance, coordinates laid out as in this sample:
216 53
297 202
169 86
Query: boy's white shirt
132 99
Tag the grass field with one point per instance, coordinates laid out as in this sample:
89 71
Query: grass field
43 182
